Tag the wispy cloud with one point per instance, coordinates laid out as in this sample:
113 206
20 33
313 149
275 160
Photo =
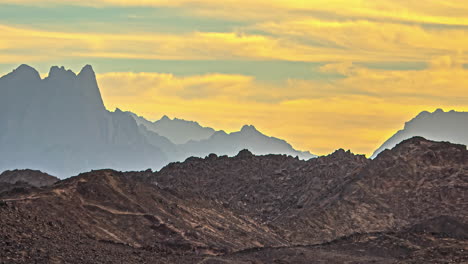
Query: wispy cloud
356 112
292 41
356 108
450 12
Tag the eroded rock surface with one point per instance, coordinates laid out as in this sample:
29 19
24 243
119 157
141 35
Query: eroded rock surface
406 206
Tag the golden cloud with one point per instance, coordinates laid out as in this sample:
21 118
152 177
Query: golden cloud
357 112
448 12
311 40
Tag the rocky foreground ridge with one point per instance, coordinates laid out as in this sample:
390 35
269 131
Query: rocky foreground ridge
408 205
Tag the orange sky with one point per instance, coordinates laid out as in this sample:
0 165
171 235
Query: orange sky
319 74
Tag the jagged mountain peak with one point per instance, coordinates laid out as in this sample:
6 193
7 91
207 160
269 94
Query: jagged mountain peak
87 69
248 128
340 153
424 116
63 116
165 118
24 72
178 131
118 111
87 73
24 68
57 72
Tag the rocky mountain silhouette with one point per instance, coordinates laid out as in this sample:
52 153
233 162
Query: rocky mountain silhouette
439 126
222 143
406 206
60 125
177 130
193 140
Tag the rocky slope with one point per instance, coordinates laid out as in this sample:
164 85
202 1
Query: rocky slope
32 177
329 197
21 179
108 207
263 187
406 206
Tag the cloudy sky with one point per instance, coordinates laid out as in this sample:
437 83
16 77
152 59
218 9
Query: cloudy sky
322 74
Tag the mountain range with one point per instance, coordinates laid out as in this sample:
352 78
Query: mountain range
439 125
216 197
59 125
408 205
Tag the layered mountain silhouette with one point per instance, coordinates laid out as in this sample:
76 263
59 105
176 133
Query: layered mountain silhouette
60 125
193 140
449 126
406 206
178 131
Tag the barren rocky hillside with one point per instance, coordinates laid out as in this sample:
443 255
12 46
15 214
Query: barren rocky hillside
406 206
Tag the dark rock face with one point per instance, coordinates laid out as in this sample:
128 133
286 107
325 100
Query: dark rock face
31 177
406 206
109 209
263 187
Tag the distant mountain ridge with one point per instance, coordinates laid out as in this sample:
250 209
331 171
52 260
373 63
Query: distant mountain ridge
247 138
178 131
60 125
439 125
192 139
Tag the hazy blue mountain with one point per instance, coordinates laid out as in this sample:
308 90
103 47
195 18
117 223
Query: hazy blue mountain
178 131
248 137
59 125
196 140
449 126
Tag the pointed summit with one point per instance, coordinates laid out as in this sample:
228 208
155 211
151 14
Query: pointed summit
87 72
165 118
86 79
25 72
247 128
25 68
